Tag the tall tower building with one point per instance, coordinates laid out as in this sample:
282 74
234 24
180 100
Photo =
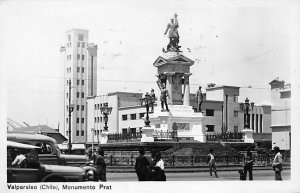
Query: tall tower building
80 77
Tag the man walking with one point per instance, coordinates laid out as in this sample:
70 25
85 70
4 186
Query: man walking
248 165
277 163
101 165
211 163
142 166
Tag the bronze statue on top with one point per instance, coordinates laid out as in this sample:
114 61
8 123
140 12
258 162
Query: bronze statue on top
172 27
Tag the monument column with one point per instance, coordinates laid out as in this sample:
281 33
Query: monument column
186 96
169 87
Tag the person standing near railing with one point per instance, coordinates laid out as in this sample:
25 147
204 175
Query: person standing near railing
142 166
212 163
248 165
158 168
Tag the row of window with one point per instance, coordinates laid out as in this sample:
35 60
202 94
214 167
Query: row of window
77 120
211 128
78 69
78 95
80 37
69 57
98 106
98 119
82 44
132 116
211 112
77 107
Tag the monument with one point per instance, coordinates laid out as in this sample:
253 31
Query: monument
173 72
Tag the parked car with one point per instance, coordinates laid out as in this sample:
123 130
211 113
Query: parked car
34 171
49 153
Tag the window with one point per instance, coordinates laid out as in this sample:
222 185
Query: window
82 57
133 116
285 94
67 95
82 95
142 115
210 128
82 44
67 120
77 120
210 112
235 114
82 107
82 70
82 132
124 117
80 37
98 119
132 130
78 94
45 148
95 106
124 130
82 120
69 37
78 82
101 118
82 82
78 69
77 107
98 106
78 44
77 133
95 119
236 128
235 98
78 56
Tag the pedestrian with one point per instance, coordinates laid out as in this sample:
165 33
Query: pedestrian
277 163
142 166
212 163
158 173
101 165
248 165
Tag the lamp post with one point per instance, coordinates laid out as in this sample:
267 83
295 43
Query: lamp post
70 109
105 110
146 101
147 131
248 133
252 107
246 108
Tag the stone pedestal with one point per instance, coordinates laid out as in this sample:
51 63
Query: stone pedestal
147 134
104 137
248 135
181 118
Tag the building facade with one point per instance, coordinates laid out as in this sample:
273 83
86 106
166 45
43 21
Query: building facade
281 114
79 58
220 104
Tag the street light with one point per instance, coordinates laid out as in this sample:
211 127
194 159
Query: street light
146 100
252 107
105 110
246 110
71 108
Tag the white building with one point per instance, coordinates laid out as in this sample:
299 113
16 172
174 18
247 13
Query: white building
79 58
281 114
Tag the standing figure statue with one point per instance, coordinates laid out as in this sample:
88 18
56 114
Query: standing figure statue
152 101
200 98
163 96
172 27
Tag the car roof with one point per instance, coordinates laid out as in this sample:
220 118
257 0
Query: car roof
29 137
20 145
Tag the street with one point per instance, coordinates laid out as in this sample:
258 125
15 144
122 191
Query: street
202 176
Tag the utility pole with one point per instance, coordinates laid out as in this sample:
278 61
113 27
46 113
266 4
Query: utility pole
70 111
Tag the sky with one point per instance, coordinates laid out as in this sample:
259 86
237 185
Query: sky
232 43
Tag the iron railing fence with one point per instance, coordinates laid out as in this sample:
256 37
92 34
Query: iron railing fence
124 137
198 160
227 137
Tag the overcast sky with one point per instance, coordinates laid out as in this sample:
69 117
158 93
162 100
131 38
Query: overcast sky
232 44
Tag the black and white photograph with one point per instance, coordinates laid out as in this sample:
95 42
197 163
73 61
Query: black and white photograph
149 96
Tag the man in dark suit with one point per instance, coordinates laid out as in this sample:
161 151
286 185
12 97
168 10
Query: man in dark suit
142 166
